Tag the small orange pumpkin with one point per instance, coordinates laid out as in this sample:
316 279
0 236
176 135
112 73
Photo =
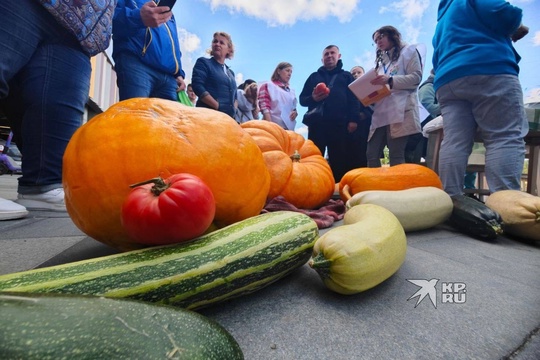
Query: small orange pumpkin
398 177
298 171
142 138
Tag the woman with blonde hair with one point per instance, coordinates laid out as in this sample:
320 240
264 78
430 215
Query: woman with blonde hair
277 100
213 81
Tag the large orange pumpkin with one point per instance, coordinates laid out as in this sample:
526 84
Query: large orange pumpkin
139 139
298 171
398 177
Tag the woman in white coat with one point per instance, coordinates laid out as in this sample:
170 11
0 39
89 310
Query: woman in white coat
395 117
277 100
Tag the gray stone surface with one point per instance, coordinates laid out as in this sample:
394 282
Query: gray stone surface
299 318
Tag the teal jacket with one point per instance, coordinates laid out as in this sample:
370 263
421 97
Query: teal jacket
472 37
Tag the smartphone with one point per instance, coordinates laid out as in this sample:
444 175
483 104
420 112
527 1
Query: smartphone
169 3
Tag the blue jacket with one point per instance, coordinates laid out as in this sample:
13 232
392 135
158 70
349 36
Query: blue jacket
209 78
472 37
341 106
158 48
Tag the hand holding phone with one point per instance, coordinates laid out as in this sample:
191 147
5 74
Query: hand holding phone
169 3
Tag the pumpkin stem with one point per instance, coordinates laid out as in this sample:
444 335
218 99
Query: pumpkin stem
159 185
296 156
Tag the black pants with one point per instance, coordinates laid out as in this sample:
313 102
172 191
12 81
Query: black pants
342 148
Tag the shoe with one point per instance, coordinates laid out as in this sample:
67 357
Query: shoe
10 210
51 200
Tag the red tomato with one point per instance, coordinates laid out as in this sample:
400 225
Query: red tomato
321 88
173 210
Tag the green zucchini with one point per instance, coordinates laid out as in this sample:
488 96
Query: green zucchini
47 326
235 260
474 218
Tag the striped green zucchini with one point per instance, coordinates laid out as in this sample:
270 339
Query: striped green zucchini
52 326
236 260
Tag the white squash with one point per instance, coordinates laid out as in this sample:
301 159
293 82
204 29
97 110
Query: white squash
417 208
520 212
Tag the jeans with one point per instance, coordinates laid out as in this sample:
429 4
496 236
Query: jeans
44 84
493 105
136 79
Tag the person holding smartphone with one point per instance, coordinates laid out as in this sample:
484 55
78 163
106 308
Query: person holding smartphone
146 50
168 3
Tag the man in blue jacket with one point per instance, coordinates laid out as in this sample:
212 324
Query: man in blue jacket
477 85
334 131
146 50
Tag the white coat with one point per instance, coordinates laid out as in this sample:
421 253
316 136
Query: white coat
400 109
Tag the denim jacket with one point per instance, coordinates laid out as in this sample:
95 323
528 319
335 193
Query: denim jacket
211 77
89 21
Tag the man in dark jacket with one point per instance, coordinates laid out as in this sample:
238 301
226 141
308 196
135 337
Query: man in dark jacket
334 131
146 50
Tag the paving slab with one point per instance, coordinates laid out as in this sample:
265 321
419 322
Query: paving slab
495 316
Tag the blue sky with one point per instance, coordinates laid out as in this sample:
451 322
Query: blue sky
266 32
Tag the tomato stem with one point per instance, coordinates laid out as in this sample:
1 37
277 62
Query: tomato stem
159 185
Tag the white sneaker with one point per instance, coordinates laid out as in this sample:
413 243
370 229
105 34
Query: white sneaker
51 200
9 210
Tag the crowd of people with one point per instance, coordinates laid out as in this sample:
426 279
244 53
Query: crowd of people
45 77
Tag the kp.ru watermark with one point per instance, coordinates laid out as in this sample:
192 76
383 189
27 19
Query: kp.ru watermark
449 292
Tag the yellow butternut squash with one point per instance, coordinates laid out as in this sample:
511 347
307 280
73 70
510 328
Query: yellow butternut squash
367 249
520 212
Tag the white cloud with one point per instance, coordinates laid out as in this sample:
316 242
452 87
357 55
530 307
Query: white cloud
301 128
412 12
366 60
239 78
288 12
533 96
188 41
190 45
536 39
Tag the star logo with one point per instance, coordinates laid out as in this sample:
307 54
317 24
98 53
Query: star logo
427 288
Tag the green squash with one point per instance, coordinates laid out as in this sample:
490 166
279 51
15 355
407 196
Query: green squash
46 326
